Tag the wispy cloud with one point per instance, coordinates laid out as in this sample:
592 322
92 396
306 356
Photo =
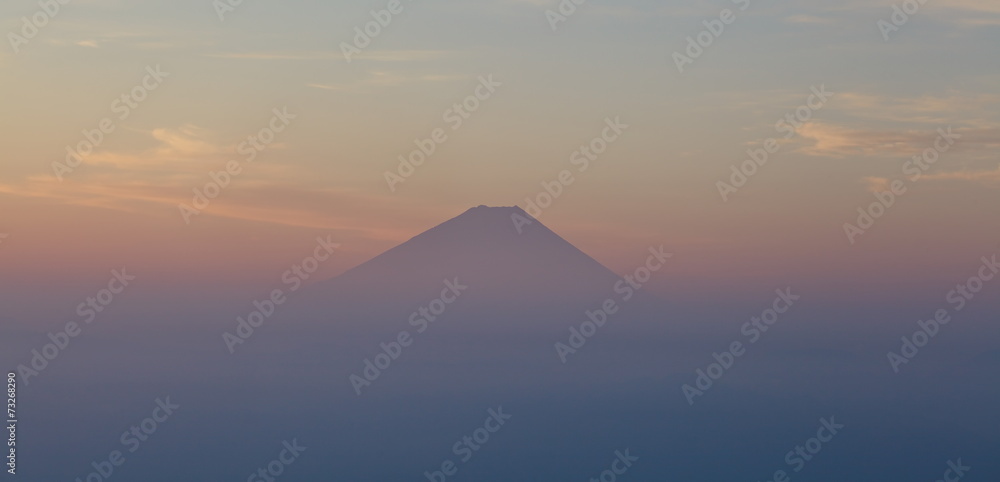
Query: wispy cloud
263 201
378 55
179 148
337 87
840 141
877 184
386 78
809 19
403 55
316 55
158 179
990 177
831 140
927 109
965 13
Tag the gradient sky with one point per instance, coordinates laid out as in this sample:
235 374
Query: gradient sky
655 186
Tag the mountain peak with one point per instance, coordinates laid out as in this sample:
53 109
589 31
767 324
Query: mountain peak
494 212
483 207
502 250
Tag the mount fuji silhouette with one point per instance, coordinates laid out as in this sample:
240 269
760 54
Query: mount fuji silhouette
519 275
502 253
519 281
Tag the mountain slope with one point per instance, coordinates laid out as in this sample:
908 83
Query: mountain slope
484 248
527 281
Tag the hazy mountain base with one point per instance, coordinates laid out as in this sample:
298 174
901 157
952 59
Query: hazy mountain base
493 348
